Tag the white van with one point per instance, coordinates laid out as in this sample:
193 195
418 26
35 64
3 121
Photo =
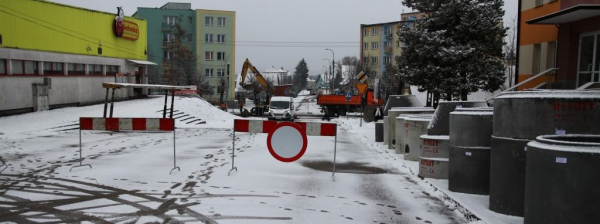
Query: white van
281 108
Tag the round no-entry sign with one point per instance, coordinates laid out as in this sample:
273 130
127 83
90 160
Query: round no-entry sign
287 142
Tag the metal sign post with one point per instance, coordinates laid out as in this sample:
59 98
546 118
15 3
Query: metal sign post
348 99
233 152
334 153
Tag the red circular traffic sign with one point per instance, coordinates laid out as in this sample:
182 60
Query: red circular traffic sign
287 142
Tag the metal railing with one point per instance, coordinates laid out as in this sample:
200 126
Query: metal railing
548 72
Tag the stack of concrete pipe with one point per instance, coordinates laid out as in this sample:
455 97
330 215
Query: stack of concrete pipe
402 129
562 179
520 117
470 143
434 163
414 127
397 111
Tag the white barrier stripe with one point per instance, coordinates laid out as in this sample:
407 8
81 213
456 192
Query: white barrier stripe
125 124
313 129
99 124
153 124
255 126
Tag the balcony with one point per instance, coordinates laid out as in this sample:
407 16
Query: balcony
166 27
388 50
166 44
388 36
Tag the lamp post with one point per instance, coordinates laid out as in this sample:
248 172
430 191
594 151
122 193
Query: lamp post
326 79
332 66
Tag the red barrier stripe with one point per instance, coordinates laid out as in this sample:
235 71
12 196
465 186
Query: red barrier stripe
302 125
328 129
241 125
167 124
268 125
86 123
112 124
138 124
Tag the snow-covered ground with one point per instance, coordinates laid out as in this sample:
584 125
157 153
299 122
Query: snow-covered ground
130 178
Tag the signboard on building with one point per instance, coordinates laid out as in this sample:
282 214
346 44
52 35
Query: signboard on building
123 28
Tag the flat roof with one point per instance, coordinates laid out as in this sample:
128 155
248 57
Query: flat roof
145 86
86 9
575 13
386 23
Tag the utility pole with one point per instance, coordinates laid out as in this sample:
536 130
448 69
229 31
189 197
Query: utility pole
227 93
332 67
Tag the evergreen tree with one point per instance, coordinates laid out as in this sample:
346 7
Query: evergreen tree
300 76
456 49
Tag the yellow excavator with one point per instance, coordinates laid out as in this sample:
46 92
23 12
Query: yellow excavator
262 93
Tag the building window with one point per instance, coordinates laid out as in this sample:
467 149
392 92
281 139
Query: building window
95 69
26 67
373 74
220 72
208 20
365 32
537 59
366 46
221 38
386 60
112 70
170 20
208 38
208 72
387 44
190 20
397 44
3 67
53 68
167 55
388 30
208 55
365 60
220 56
17 67
539 2
190 38
219 89
375 45
221 21
168 37
385 73
375 31
76 69
374 60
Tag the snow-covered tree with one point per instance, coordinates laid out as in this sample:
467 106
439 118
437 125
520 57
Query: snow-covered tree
456 49
300 75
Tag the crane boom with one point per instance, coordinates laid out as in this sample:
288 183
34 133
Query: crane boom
247 65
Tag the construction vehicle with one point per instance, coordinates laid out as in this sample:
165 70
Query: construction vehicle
337 104
262 91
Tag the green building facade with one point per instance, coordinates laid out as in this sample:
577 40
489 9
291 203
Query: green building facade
211 35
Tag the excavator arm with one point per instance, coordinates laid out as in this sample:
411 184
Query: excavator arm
247 65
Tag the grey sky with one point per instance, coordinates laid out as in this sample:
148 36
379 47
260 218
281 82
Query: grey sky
289 21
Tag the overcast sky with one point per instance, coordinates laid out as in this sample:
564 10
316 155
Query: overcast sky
279 26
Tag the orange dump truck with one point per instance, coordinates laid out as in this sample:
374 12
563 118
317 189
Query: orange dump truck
337 104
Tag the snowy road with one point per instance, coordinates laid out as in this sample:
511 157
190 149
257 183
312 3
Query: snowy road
130 180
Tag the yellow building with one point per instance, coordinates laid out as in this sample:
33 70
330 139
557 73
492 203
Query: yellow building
54 55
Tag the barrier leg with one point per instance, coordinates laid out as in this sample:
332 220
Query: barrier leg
112 102
334 152
80 157
174 155
3 165
233 153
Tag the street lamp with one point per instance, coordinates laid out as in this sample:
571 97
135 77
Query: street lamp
332 66
326 79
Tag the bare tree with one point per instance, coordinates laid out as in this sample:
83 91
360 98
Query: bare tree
510 48
180 66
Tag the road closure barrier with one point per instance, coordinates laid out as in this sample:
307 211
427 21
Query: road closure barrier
285 131
126 124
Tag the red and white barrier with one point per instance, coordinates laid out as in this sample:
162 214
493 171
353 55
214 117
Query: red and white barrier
127 124
270 127
260 126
